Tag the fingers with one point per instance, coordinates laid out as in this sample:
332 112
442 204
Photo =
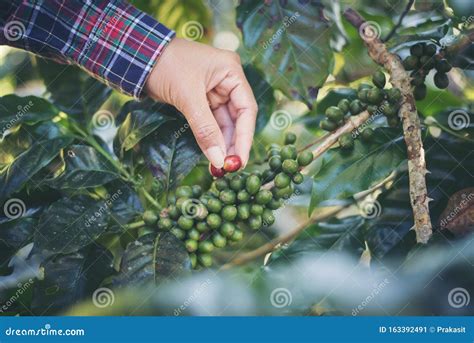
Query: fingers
205 128
243 109
244 131
226 125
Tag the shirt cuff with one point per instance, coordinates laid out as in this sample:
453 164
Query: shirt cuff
122 47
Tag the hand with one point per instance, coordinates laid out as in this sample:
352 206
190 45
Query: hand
209 87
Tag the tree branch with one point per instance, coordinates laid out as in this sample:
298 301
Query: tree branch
268 247
411 123
400 20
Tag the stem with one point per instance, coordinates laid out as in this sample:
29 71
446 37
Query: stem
91 140
400 20
411 125
268 247
150 199
135 225
316 141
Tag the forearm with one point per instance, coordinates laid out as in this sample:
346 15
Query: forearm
112 40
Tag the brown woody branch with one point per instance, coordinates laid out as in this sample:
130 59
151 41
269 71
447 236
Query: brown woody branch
268 247
411 123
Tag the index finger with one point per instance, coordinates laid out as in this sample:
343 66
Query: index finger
243 102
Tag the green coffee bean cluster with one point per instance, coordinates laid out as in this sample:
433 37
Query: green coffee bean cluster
374 99
215 218
422 59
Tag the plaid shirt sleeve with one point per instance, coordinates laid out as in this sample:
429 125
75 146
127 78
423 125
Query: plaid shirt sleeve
110 39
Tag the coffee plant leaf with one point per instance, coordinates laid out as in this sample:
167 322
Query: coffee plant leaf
280 36
153 258
70 224
14 175
125 205
263 93
343 174
81 273
15 234
170 152
83 167
345 235
141 119
16 110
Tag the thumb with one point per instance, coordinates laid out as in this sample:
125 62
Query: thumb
205 129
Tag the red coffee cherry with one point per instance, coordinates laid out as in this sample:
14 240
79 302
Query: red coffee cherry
232 163
216 172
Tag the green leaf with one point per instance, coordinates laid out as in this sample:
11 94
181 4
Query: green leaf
343 174
14 175
153 257
436 101
70 278
72 90
84 167
142 119
15 234
170 152
343 235
70 224
290 43
263 93
125 207
15 110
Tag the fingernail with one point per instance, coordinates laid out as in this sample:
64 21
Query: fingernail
216 156
244 163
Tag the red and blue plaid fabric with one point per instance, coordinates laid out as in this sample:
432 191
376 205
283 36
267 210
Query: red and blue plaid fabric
111 39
